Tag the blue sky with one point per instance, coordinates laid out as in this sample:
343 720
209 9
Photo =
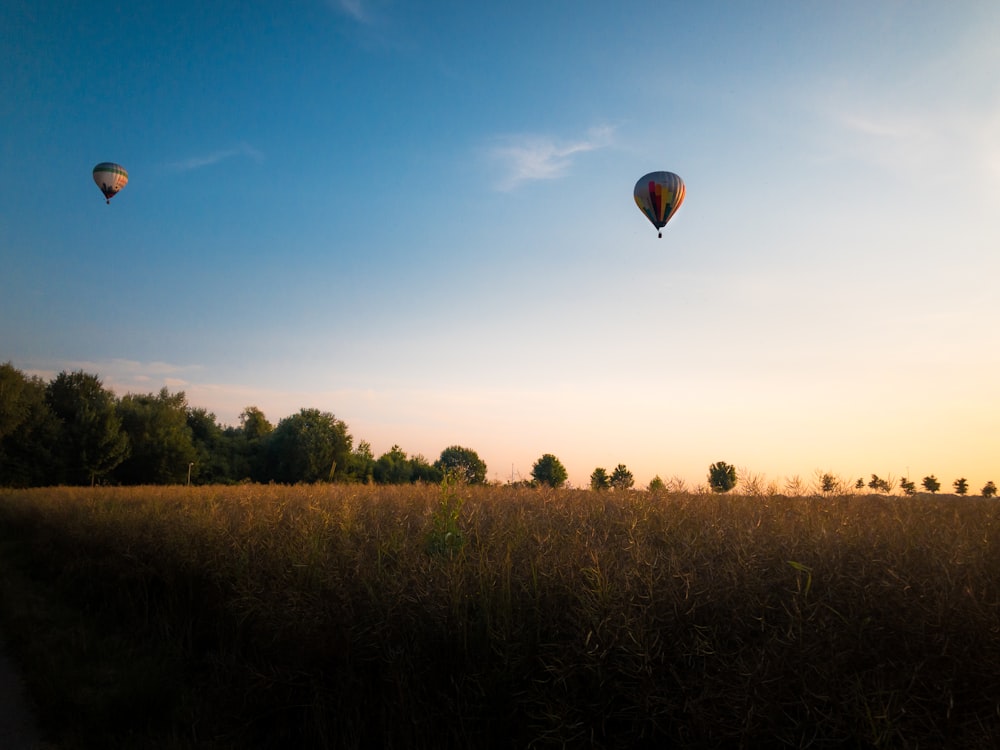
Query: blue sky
419 217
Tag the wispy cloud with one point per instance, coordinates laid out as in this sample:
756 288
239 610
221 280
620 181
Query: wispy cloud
122 375
527 158
941 115
355 9
958 144
206 160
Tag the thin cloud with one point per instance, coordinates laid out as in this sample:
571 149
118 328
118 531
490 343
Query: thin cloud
529 158
894 128
207 160
121 375
354 9
956 144
899 126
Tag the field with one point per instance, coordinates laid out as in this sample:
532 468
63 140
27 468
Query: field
347 616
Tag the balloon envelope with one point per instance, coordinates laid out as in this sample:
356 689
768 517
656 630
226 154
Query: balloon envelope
110 178
658 195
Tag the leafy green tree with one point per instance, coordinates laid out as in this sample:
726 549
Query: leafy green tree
549 470
424 471
251 445
214 449
989 489
908 486
599 479
162 445
361 467
721 476
656 485
621 478
393 467
931 484
93 442
13 404
311 446
29 432
961 486
238 452
463 463
254 423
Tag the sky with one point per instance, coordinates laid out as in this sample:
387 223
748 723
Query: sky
419 217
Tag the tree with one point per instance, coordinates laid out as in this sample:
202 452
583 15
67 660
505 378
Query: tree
424 471
392 467
13 406
93 442
860 484
907 485
251 445
463 463
621 478
29 432
599 479
162 445
989 489
254 424
361 466
549 470
213 448
721 476
880 485
961 486
931 484
311 446
656 485
828 483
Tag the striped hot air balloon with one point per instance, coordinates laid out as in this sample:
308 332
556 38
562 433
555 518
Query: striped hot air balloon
110 178
658 195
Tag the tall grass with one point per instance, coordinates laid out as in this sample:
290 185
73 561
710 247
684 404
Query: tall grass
457 616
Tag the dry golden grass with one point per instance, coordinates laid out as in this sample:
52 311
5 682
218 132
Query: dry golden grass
456 616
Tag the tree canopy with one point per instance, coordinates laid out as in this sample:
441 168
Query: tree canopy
621 478
93 442
931 483
463 463
30 433
161 439
599 479
721 476
549 470
311 446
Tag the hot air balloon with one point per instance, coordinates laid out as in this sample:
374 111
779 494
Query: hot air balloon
110 178
658 195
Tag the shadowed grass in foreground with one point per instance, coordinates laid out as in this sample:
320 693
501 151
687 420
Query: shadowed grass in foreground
454 616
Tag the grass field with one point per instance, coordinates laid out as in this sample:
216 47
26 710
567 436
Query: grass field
345 616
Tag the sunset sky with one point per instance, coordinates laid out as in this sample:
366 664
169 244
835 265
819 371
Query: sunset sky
419 217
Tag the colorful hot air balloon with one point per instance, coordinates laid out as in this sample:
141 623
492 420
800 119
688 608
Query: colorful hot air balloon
110 178
658 195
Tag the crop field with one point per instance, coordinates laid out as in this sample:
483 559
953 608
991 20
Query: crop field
350 616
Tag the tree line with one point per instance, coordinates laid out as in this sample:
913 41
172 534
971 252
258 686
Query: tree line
828 484
74 431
